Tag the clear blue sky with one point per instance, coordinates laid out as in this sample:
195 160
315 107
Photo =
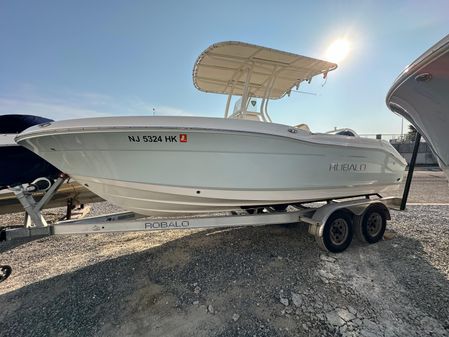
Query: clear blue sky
69 59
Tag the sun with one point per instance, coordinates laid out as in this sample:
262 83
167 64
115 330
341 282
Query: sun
338 50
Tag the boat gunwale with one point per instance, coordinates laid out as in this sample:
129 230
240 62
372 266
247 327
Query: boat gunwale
371 144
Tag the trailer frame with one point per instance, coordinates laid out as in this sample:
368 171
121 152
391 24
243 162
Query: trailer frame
316 215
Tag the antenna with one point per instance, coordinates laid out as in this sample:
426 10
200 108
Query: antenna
305 92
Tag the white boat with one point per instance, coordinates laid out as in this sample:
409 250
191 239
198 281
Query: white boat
421 95
188 165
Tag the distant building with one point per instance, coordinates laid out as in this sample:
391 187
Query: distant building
425 155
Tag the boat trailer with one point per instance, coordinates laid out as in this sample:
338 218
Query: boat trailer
333 223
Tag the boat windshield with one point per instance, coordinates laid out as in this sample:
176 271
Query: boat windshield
250 110
343 132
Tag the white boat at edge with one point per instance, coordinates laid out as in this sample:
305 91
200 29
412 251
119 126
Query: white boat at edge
421 95
184 165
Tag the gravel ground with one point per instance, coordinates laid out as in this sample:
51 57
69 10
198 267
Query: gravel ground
249 281
428 186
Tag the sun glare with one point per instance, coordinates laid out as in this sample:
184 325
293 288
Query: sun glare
338 50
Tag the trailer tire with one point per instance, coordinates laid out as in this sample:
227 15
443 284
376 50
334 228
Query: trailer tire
5 271
337 232
371 226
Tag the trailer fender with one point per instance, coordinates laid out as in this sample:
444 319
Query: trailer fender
355 210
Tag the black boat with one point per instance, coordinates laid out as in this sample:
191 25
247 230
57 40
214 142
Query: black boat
19 165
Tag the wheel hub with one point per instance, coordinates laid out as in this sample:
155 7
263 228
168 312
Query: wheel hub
338 231
374 224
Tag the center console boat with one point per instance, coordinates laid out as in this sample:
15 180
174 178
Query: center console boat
154 165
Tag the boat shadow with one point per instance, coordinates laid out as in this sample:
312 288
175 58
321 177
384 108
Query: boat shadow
7 245
167 290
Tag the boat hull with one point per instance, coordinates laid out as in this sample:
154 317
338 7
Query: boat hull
157 200
420 94
19 165
162 171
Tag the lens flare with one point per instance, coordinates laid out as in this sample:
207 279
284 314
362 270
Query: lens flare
338 50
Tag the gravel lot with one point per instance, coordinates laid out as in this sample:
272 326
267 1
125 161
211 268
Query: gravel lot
264 281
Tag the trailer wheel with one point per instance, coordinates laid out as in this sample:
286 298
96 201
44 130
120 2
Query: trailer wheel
337 232
371 227
5 271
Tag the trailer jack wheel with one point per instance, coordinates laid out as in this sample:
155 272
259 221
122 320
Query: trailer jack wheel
5 271
337 232
372 225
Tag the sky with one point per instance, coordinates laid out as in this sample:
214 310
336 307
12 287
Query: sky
73 59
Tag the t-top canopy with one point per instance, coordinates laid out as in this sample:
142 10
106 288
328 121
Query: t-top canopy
226 67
